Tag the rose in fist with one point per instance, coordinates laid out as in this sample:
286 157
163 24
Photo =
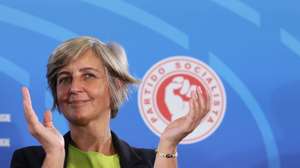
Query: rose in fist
177 105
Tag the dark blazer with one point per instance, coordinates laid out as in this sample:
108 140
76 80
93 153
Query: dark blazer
130 157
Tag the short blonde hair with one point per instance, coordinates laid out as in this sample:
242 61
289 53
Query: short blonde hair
114 60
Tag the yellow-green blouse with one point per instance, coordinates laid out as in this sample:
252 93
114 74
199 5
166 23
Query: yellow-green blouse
81 159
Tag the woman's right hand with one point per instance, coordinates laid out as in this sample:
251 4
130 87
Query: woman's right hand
49 137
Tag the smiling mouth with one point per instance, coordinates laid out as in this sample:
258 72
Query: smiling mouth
78 102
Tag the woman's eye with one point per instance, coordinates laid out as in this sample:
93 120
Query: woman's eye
64 80
88 76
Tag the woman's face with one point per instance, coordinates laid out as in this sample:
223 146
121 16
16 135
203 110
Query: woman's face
82 90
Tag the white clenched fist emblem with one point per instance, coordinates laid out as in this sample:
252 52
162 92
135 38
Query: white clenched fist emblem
178 102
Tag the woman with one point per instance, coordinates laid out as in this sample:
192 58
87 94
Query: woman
89 80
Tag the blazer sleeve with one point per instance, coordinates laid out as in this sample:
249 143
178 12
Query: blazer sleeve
18 160
32 157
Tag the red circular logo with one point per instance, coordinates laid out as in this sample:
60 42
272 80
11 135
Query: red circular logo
167 88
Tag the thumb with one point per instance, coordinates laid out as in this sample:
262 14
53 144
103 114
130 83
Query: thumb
48 119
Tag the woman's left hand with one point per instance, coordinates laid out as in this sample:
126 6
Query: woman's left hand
181 127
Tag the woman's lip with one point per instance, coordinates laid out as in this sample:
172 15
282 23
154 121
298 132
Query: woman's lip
77 101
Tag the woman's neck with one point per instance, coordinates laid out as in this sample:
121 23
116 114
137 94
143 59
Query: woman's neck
93 137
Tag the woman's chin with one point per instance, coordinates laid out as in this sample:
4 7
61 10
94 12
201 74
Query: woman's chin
79 121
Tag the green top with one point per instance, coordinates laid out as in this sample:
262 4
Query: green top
81 159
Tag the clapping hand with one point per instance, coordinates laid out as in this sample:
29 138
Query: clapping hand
181 127
49 137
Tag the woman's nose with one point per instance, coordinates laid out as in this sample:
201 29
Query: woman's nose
76 85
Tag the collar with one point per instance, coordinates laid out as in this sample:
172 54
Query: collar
127 155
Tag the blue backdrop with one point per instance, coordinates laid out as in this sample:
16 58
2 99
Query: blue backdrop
254 46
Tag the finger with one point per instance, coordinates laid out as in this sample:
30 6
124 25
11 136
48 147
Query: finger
48 119
192 118
208 104
191 90
34 125
28 110
201 103
196 106
193 108
191 104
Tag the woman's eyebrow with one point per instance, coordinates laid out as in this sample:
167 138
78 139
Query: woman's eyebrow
63 73
89 69
66 72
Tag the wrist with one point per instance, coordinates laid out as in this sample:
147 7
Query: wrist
167 155
54 160
166 147
56 153
56 156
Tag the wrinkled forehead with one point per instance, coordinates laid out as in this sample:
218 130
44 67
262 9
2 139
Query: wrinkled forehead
87 59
